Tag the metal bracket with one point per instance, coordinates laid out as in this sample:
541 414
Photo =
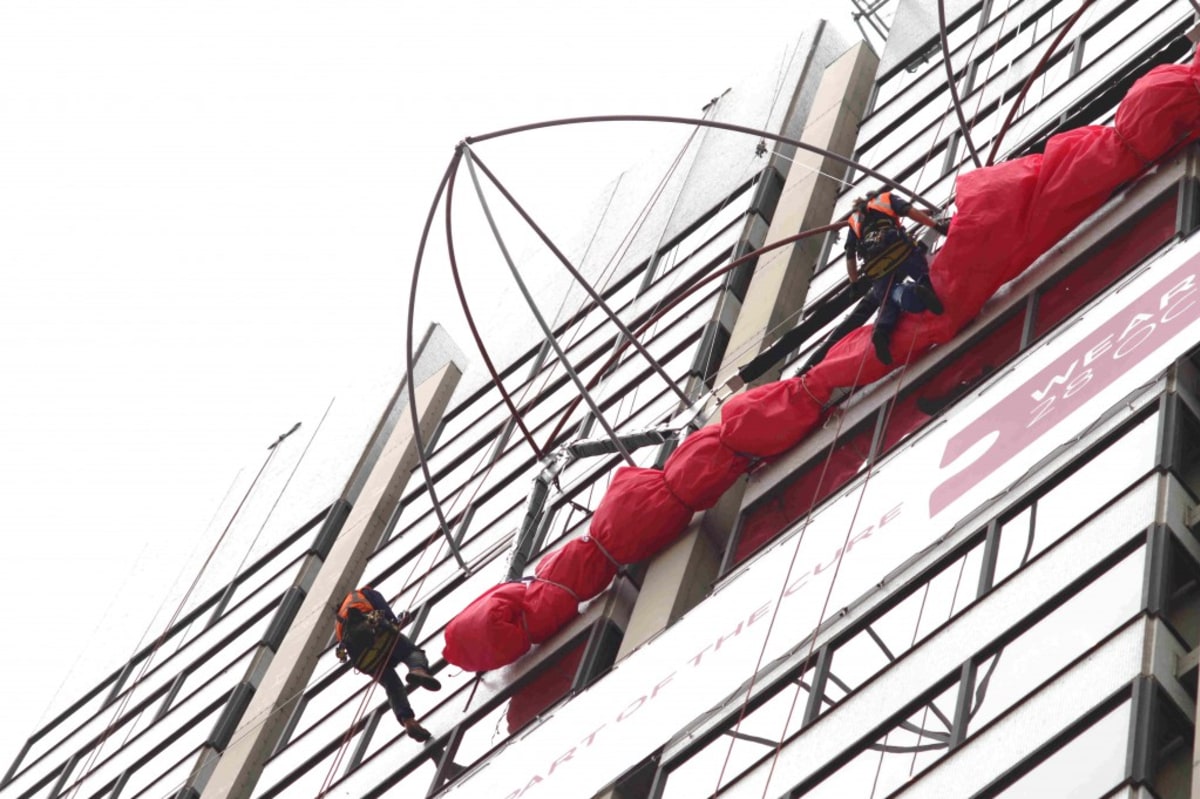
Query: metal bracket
1186 667
1191 517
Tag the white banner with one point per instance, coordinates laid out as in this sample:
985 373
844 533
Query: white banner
986 444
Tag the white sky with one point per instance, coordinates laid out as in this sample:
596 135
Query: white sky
208 216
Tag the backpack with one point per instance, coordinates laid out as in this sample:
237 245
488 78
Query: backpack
883 244
368 641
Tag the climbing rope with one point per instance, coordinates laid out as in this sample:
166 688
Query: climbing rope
119 710
1033 75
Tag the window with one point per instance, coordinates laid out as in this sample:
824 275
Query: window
1074 288
1093 482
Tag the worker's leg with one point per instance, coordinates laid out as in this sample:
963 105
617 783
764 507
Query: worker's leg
884 291
406 652
396 694
918 295
398 699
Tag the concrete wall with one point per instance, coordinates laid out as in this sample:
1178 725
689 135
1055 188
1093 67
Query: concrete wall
681 576
284 680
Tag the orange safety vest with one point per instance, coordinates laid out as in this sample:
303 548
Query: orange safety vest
882 204
899 246
375 657
355 600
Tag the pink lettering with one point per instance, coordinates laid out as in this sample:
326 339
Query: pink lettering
536 779
632 708
836 557
866 533
662 685
758 614
695 661
797 584
890 515
592 736
570 754
994 438
725 638
1040 395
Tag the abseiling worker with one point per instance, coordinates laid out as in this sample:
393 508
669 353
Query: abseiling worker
369 637
880 250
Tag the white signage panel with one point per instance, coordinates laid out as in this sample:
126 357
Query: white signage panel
986 444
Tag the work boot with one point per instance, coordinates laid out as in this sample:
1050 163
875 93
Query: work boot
882 350
415 730
924 290
421 677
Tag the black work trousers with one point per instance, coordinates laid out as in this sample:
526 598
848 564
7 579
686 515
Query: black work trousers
407 653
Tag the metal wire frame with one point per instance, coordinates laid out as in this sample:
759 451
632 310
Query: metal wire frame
545 326
409 382
1034 75
674 301
955 98
762 134
581 280
475 334
445 188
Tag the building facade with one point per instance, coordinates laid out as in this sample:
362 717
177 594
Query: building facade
977 579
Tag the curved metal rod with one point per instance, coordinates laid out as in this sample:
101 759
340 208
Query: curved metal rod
546 329
710 124
487 359
582 281
667 306
953 84
409 383
1037 71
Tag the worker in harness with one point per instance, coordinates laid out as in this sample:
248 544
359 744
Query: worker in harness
879 249
369 638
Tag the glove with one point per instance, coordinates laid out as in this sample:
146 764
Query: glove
943 227
342 654
404 618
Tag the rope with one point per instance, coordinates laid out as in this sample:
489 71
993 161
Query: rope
359 714
475 334
616 257
603 550
612 434
707 123
94 754
1037 69
579 278
953 84
783 587
699 284
409 381
568 591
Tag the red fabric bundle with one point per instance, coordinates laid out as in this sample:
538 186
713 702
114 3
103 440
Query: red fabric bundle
489 632
638 515
579 567
702 468
1008 215
770 419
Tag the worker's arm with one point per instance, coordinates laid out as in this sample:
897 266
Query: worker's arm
379 603
851 267
925 219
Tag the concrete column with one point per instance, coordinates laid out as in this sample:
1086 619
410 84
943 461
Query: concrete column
781 277
678 578
240 765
